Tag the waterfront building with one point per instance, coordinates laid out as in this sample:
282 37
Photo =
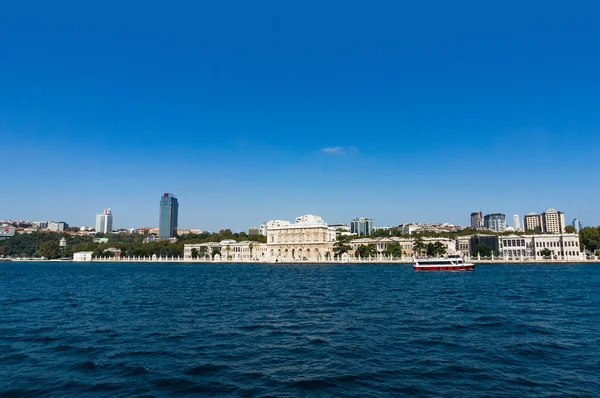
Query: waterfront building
104 222
83 256
227 250
463 245
309 238
477 220
516 222
490 241
495 222
406 244
576 224
169 212
361 226
562 246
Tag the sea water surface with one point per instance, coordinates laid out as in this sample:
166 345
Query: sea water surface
151 329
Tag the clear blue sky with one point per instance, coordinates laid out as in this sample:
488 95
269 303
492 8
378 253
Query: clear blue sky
250 111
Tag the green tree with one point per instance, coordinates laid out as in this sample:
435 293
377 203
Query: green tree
546 252
194 253
439 248
49 250
202 251
418 245
570 229
366 251
589 238
341 246
215 251
393 250
482 250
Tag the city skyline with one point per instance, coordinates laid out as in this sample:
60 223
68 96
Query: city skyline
349 223
249 115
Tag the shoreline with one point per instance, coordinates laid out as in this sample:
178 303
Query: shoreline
378 262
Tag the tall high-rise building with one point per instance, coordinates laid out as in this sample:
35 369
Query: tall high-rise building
477 220
554 221
550 221
576 224
516 222
361 226
495 222
169 212
533 222
104 222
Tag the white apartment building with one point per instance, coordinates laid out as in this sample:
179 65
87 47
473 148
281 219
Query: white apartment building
104 222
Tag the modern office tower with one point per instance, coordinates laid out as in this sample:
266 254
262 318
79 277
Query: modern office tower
361 226
169 212
553 221
516 222
533 222
477 220
576 224
104 222
495 222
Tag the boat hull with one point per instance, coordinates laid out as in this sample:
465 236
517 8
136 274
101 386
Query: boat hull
444 267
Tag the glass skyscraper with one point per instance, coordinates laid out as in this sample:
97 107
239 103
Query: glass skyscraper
169 211
495 222
361 226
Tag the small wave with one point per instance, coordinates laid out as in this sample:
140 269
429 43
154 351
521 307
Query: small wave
184 386
142 354
20 393
13 358
131 371
313 384
533 352
206 369
251 327
18 301
87 366
42 339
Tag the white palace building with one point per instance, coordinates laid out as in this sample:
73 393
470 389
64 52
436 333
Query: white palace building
309 239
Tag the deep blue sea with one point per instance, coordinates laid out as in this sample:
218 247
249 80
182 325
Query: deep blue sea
92 329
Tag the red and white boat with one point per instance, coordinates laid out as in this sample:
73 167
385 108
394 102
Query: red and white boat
453 262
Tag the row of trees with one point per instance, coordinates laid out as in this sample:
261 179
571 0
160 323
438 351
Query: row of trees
589 238
46 244
420 248
397 232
